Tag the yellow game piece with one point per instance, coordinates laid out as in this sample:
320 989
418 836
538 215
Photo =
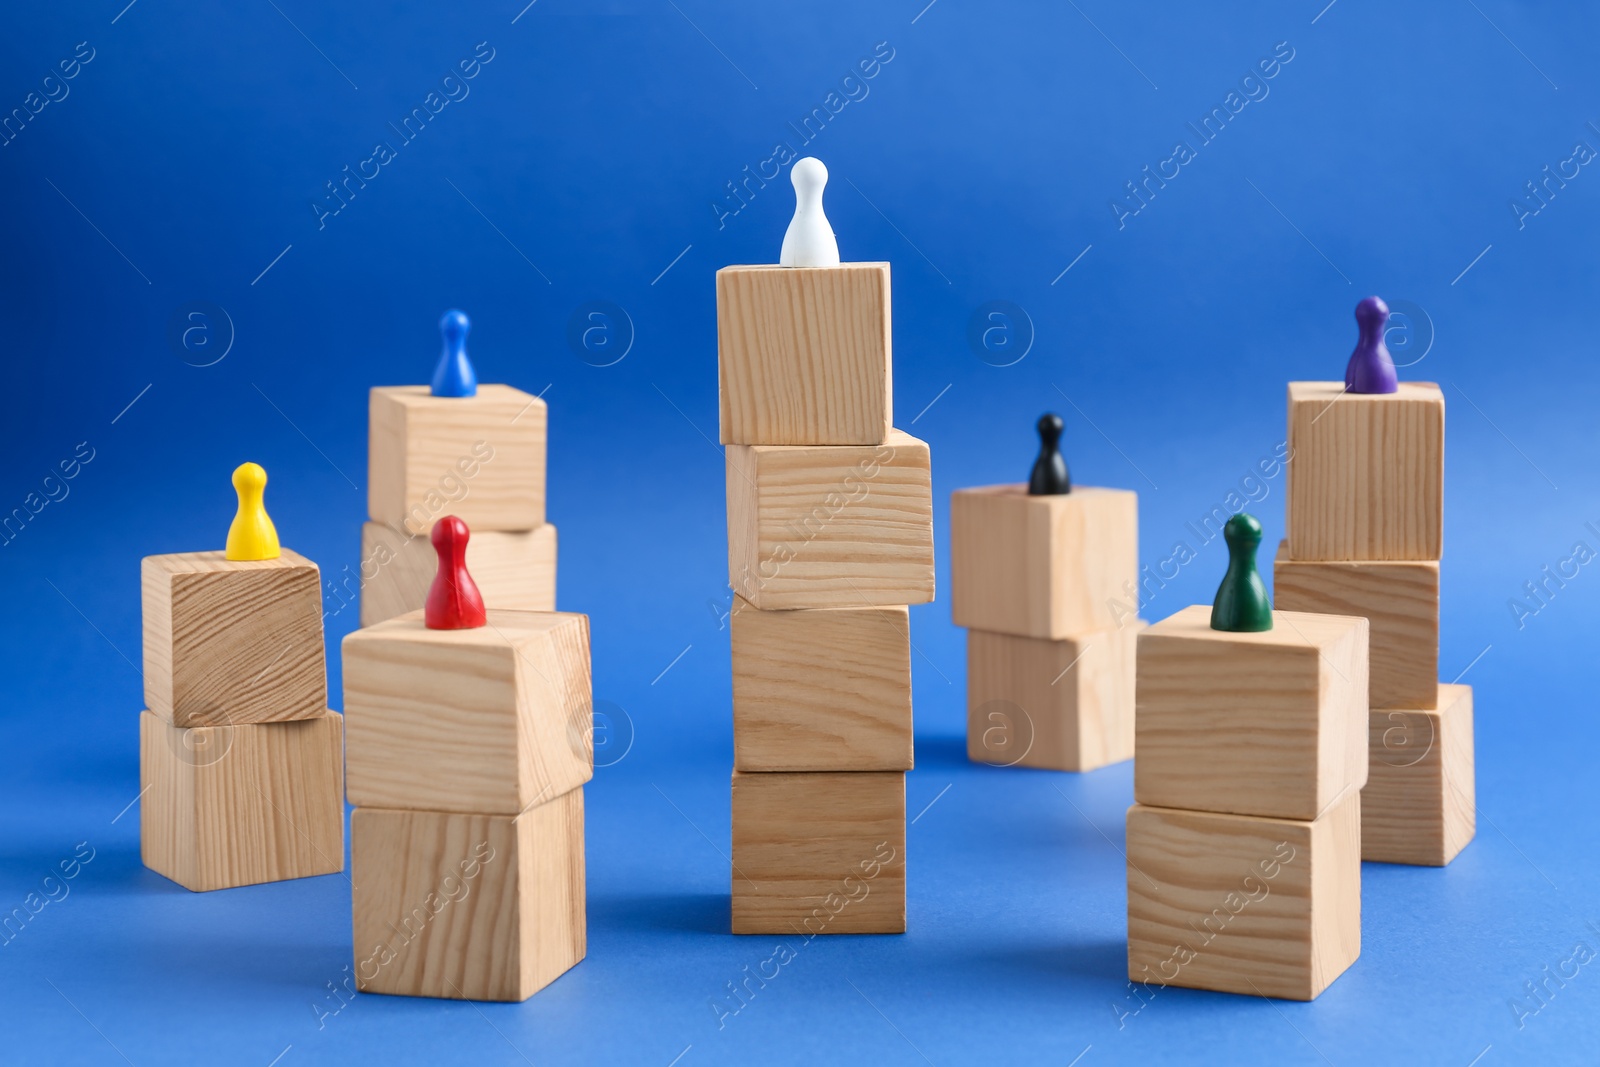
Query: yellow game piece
252 535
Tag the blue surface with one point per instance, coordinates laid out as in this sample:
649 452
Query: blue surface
572 195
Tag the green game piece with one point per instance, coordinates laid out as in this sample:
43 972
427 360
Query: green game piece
1241 606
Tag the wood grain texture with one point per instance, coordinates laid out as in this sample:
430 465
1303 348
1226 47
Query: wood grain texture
824 527
1061 705
1239 904
232 641
487 721
1271 724
1043 566
480 457
475 907
1366 473
821 689
1400 598
514 569
226 806
819 853
1420 802
804 355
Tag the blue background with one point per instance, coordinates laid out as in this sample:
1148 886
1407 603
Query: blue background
584 166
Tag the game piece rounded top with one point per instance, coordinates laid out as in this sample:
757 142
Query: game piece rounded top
251 535
454 375
454 602
809 241
1371 368
1241 605
1050 476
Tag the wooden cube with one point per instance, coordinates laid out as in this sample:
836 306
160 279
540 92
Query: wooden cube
1420 802
821 689
1271 723
1062 705
233 641
1366 472
1043 566
803 354
224 806
1239 904
1400 598
470 907
824 527
514 569
478 457
489 721
819 853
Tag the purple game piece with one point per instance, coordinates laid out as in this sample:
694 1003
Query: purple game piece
1371 368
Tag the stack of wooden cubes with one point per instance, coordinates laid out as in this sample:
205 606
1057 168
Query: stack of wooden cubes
467 748
830 537
1364 521
1047 589
1244 849
480 457
239 756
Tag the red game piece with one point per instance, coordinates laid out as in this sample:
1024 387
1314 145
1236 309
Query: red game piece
454 602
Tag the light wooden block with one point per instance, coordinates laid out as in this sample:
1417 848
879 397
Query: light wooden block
225 806
1366 472
1062 705
819 853
1420 802
821 689
1238 904
1043 566
824 527
1400 598
514 569
489 721
480 457
1271 723
474 907
803 354
233 641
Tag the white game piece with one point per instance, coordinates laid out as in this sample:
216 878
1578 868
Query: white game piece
809 240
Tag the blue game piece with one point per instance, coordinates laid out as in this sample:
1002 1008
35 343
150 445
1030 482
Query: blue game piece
1371 368
454 376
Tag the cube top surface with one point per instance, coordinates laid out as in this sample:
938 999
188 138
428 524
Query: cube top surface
1290 629
488 398
1328 392
506 627
1019 490
216 562
865 264
804 354
893 438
